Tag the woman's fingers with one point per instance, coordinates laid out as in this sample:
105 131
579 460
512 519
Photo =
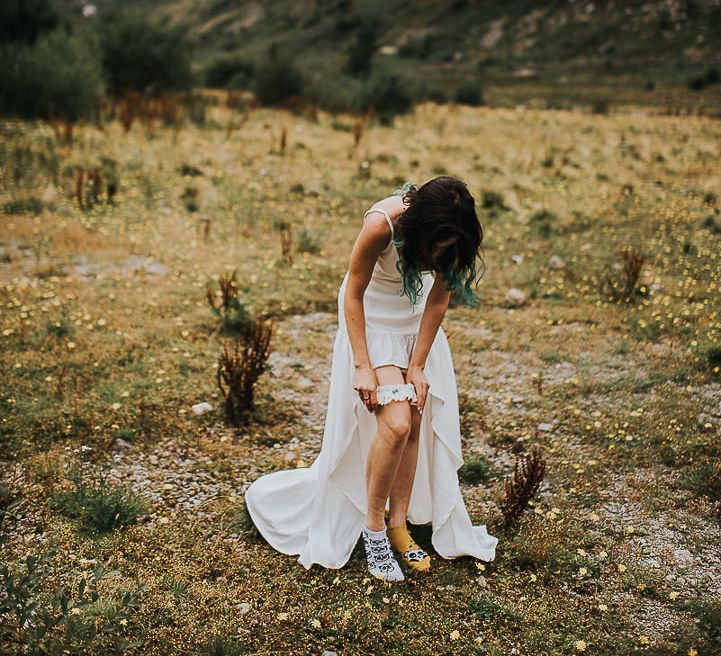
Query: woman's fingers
422 395
374 401
369 398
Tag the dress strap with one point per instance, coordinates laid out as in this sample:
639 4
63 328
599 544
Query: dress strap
388 218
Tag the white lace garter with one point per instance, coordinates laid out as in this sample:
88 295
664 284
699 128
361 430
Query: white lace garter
398 392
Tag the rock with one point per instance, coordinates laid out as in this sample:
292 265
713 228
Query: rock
545 427
329 653
556 262
516 297
202 408
304 383
517 259
290 456
50 193
243 607
481 580
119 444
704 420
683 557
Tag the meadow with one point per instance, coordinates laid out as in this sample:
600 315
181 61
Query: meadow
122 526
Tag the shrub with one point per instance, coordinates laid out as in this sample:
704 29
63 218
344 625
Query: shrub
141 53
624 288
217 645
543 221
600 107
62 621
30 205
699 82
230 72
469 94
523 484
387 93
239 369
360 56
58 76
277 78
309 243
475 470
231 310
24 22
99 506
492 200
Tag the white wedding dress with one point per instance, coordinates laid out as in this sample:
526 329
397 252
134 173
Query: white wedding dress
318 512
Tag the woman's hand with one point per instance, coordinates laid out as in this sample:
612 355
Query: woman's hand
365 383
417 378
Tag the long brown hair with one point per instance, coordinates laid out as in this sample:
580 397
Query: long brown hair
441 208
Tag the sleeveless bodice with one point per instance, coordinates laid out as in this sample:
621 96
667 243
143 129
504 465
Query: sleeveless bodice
387 310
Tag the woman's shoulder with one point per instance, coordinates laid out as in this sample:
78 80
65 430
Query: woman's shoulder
393 205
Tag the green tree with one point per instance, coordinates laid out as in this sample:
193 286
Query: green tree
360 56
277 78
57 76
23 21
141 53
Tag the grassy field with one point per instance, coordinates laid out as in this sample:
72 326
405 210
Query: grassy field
108 340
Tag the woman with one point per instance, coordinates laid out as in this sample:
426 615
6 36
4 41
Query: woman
392 431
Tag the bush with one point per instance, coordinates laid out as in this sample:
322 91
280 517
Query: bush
711 76
59 75
98 505
470 94
140 53
277 78
475 470
69 619
229 72
308 242
387 93
360 56
335 92
24 22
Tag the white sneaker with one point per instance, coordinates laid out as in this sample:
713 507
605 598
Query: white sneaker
381 562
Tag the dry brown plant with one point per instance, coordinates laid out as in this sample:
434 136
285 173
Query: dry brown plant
239 369
523 485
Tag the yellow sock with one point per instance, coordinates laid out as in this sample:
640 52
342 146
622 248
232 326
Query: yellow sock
406 546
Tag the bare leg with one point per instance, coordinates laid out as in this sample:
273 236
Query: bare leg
400 495
384 454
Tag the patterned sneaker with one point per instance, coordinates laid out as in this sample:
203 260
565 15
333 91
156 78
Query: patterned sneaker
406 546
379 555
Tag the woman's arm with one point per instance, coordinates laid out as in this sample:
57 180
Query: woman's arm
435 310
372 239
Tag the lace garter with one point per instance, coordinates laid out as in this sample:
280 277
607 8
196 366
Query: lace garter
398 392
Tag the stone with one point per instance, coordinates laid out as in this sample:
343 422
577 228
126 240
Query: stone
545 427
304 383
119 444
683 557
556 262
515 296
202 408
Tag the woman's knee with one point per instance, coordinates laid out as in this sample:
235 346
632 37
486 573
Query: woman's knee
396 418
415 425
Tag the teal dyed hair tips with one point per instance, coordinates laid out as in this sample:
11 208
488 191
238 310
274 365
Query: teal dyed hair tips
440 208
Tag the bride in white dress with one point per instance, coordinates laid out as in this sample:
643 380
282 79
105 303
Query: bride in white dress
392 433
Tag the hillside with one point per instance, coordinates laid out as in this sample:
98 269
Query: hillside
581 50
